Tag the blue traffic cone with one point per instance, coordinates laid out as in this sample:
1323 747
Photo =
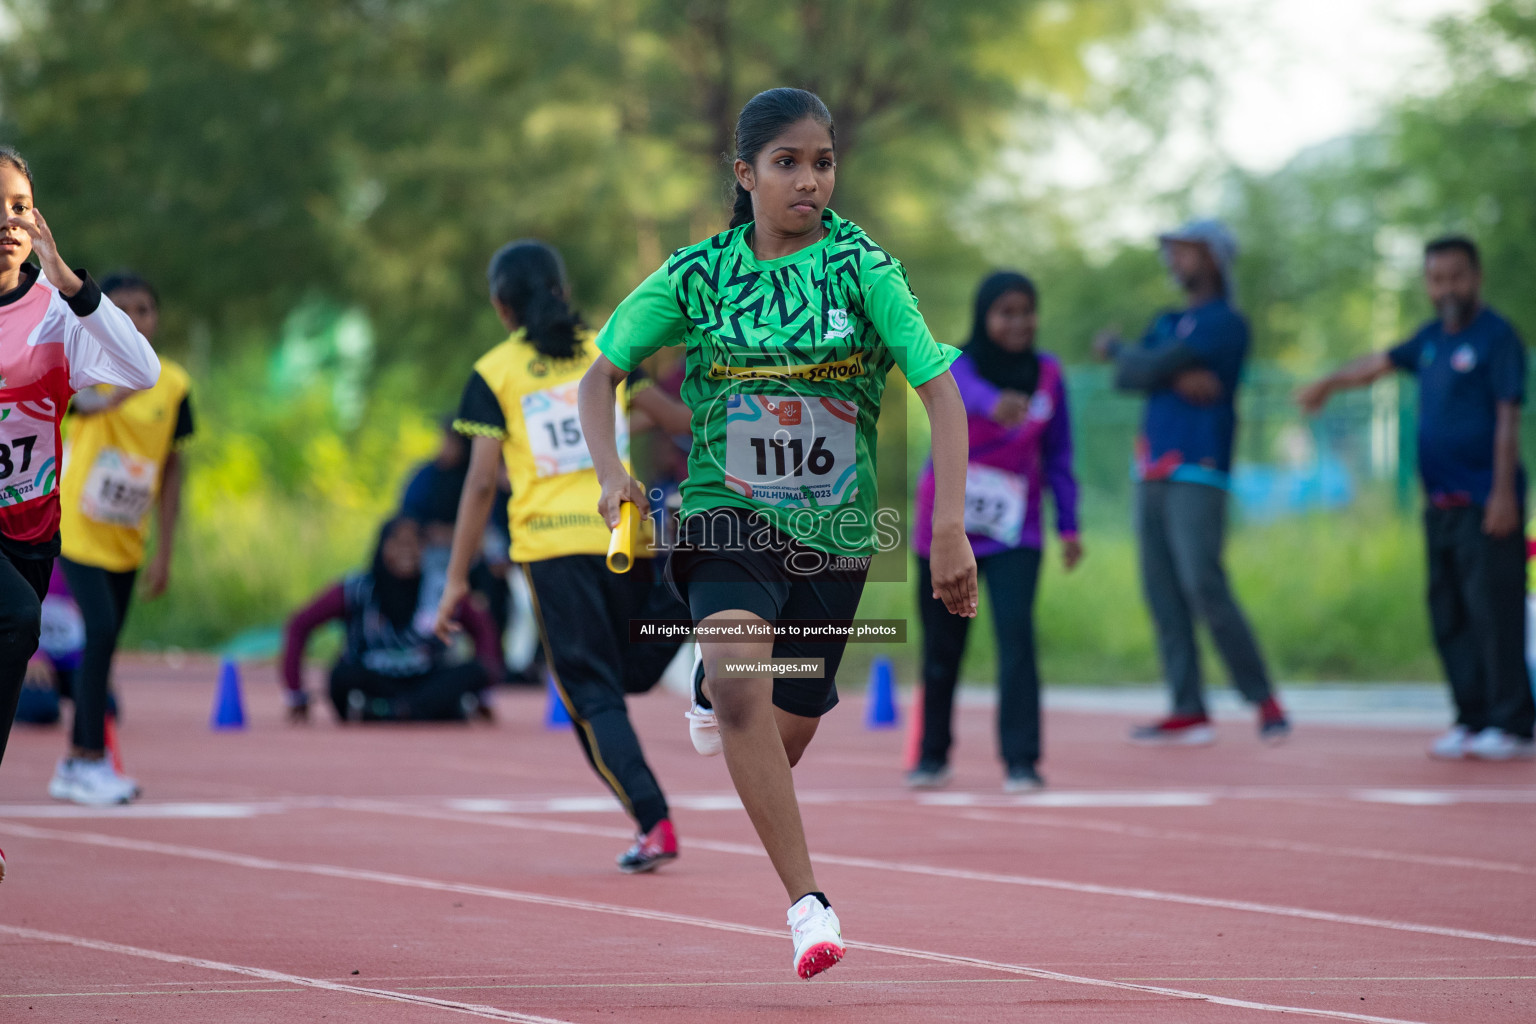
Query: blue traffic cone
228 709
880 706
555 714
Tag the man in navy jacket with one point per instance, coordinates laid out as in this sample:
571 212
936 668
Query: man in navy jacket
1189 364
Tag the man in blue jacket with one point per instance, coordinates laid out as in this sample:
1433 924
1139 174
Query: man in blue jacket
1189 364
1471 369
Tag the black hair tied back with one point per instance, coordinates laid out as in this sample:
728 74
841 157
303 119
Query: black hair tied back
128 281
763 119
10 158
528 277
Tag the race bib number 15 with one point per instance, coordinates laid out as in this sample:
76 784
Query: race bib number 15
554 431
791 451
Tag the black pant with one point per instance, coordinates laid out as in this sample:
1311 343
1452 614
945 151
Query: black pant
23 582
1011 580
1477 609
103 597
435 696
583 612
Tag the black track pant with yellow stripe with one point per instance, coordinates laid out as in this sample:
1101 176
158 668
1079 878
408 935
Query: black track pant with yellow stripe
584 613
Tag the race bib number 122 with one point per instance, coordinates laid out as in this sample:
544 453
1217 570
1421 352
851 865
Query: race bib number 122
995 503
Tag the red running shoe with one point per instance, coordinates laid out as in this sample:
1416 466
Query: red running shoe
2 865
657 845
1176 731
1274 727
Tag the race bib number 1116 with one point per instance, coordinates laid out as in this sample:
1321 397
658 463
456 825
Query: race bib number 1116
792 451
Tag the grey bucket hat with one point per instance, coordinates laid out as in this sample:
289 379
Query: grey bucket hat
1218 240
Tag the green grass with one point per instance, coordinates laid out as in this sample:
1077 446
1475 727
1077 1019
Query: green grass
282 499
1331 597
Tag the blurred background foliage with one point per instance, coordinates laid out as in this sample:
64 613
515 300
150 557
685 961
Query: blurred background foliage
315 188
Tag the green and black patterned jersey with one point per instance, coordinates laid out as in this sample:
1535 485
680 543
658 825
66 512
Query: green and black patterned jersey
786 364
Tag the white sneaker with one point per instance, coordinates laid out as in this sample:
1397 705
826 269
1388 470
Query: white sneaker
703 728
1452 745
92 783
1498 745
818 937
929 777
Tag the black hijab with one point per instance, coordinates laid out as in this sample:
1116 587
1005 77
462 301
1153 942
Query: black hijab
1018 371
397 596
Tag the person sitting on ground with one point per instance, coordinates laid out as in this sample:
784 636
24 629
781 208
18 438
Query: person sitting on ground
432 499
393 668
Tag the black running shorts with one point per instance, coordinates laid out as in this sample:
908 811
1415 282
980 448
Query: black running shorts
729 558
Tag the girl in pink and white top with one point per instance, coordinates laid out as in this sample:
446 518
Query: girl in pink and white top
58 334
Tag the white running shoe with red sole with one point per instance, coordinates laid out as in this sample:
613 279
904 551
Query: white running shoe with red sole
818 937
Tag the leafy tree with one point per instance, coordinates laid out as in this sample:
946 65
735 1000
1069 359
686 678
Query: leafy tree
246 155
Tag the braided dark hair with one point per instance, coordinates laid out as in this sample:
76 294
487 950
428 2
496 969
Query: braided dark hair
762 120
528 277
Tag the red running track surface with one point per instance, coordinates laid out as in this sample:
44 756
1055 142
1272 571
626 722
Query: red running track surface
388 874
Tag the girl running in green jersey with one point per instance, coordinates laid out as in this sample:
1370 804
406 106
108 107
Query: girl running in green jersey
791 320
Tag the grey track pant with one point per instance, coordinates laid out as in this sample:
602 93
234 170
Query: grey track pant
1181 529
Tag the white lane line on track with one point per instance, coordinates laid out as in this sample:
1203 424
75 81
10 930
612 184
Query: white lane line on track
1241 842
488 1012
144 810
1069 798
540 899
726 800
960 874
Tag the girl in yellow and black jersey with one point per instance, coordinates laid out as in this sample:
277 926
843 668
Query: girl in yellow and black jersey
520 406
123 469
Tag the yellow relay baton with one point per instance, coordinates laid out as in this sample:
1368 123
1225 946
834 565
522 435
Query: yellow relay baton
621 546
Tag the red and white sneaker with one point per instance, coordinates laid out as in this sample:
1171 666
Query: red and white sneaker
2 865
818 936
1176 731
657 845
1274 727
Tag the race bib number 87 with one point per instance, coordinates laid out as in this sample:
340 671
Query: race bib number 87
792 451
28 462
